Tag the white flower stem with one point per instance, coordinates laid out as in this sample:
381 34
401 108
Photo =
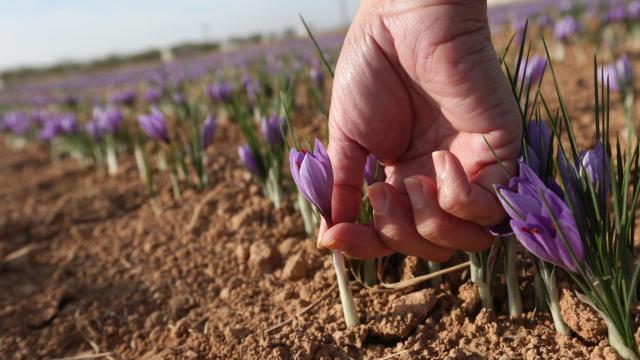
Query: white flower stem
173 177
539 288
272 187
140 162
161 159
112 159
479 274
473 268
511 274
346 298
548 278
558 321
369 270
433 267
202 172
307 215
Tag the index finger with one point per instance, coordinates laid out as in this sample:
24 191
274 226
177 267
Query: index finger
348 160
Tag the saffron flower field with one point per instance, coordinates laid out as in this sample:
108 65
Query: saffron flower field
170 211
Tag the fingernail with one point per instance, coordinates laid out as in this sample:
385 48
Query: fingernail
324 242
440 163
378 198
414 189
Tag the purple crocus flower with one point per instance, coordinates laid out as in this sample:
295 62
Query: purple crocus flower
152 96
544 20
249 160
108 119
633 10
624 73
373 171
154 125
619 75
533 207
595 166
93 130
271 129
251 87
532 70
220 92
566 28
208 131
50 129
68 124
609 75
313 175
39 117
18 123
615 14
539 145
53 126
519 26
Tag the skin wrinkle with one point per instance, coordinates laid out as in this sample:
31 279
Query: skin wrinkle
456 73
460 92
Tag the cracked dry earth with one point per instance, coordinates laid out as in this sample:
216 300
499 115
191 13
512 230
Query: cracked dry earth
86 267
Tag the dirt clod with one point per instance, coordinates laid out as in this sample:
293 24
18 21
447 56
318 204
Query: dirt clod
581 318
263 257
468 293
295 268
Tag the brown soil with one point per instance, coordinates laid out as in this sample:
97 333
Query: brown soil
86 267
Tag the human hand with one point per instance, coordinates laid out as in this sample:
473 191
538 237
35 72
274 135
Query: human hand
418 84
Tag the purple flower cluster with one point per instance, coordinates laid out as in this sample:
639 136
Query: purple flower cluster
56 125
17 122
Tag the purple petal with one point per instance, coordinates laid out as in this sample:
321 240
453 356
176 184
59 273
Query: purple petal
517 205
317 185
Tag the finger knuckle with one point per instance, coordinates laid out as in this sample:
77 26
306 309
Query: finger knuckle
392 234
432 229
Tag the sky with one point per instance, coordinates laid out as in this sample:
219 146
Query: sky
44 32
